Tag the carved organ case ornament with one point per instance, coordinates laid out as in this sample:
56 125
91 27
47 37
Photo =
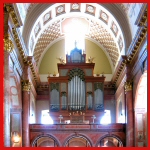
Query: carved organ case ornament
76 89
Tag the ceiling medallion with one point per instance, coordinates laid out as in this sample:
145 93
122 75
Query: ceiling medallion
46 17
75 6
60 9
104 16
90 9
120 43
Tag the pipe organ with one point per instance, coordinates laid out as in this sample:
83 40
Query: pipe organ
76 89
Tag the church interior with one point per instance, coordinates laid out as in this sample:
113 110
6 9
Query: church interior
75 75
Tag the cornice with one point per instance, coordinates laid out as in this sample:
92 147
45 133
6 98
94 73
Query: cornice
18 41
133 49
142 17
23 55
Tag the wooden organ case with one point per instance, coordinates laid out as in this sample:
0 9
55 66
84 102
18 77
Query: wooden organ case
76 94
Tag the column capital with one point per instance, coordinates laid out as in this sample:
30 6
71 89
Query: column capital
26 85
128 86
8 44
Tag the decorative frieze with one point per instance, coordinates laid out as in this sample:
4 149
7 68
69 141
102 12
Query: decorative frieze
26 85
128 86
8 44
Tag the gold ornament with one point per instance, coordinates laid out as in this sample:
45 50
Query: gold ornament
8 44
128 86
26 85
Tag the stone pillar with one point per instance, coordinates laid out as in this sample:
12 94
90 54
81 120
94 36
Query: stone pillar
25 114
130 115
8 47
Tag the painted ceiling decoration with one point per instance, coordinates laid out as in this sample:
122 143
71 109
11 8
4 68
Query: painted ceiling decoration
104 29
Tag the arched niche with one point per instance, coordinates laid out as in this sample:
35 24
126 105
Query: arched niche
109 141
77 141
45 141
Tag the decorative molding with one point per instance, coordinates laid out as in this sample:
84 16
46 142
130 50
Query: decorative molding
54 86
76 72
19 45
120 43
60 9
22 53
109 86
142 17
134 48
114 29
26 85
63 94
37 29
98 85
8 44
128 86
75 7
89 93
104 17
47 17
90 9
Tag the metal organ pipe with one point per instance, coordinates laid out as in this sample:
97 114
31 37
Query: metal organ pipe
76 93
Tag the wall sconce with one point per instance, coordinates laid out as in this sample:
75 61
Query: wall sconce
15 137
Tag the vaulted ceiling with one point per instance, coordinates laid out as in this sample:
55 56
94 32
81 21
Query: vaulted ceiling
108 27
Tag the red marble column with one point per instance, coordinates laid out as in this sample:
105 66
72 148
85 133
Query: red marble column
130 115
8 47
25 113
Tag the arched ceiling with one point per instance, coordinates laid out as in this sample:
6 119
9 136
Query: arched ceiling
108 27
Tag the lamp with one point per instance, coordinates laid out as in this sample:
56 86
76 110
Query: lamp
15 137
